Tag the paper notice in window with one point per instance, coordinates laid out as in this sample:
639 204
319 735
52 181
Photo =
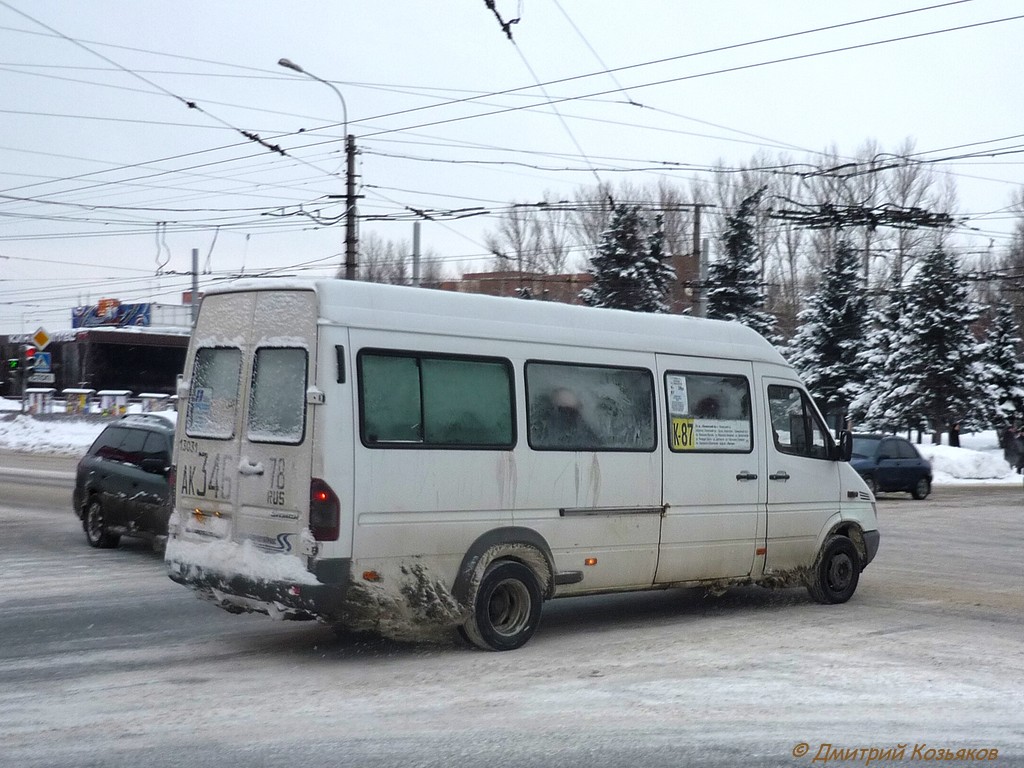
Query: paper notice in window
678 402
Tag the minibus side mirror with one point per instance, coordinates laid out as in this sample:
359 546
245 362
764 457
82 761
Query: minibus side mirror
844 448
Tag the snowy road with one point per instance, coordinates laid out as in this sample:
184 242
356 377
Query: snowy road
105 662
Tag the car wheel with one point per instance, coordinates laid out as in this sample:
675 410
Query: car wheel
922 489
835 575
872 485
506 610
95 526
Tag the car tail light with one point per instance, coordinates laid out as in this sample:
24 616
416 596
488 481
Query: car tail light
324 511
172 485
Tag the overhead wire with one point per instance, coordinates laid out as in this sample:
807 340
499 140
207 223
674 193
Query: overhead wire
854 46
888 15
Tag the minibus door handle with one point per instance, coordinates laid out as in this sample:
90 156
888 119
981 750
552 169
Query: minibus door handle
245 467
744 475
783 475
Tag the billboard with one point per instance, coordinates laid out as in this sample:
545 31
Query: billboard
111 313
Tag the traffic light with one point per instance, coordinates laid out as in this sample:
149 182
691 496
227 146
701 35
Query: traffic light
29 353
13 365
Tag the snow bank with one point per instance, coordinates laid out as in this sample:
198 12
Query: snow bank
27 434
959 464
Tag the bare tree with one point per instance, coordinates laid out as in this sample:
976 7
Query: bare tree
390 261
516 242
556 238
909 185
378 259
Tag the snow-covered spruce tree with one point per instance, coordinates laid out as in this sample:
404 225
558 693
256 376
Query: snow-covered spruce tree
831 335
734 290
1001 371
631 269
875 406
932 373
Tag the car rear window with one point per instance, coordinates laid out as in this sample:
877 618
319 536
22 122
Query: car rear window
107 443
156 447
907 451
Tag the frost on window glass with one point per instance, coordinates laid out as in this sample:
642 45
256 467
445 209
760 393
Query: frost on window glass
277 400
435 401
213 395
708 412
589 408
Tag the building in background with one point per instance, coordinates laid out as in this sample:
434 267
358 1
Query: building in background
110 345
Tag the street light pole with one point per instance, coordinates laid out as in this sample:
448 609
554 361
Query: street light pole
350 172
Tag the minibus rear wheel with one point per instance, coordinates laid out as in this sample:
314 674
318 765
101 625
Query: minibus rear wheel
835 575
506 610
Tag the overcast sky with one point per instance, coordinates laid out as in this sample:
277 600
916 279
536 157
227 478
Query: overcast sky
107 174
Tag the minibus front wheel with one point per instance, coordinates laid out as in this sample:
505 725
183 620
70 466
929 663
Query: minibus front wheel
836 573
506 609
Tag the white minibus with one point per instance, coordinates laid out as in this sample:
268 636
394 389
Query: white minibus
409 461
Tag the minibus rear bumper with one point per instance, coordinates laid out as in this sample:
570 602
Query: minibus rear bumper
278 599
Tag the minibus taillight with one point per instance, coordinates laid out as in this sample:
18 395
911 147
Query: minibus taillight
324 511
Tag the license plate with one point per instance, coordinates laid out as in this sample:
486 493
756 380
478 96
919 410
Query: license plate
207 525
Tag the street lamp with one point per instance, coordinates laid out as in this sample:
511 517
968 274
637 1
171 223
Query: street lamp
350 172
289 64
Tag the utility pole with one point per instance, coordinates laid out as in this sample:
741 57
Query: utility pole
705 254
195 285
351 240
416 254
698 294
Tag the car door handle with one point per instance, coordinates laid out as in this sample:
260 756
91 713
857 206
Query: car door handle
783 475
744 475
245 467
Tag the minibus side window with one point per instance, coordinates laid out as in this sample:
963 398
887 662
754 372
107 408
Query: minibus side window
708 413
796 428
466 402
277 399
434 401
213 395
589 408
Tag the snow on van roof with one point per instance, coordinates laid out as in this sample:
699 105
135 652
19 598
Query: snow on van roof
402 308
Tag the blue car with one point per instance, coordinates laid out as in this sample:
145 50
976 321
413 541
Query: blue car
891 463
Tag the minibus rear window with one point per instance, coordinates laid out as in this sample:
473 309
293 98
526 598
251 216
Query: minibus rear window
434 401
277 399
213 395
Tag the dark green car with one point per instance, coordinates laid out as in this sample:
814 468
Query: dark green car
122 484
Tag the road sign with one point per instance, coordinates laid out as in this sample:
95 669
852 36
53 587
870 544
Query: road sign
41 338
44 363
42 378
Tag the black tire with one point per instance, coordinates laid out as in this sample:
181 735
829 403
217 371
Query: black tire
95 527
836 573
922 489
506 610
